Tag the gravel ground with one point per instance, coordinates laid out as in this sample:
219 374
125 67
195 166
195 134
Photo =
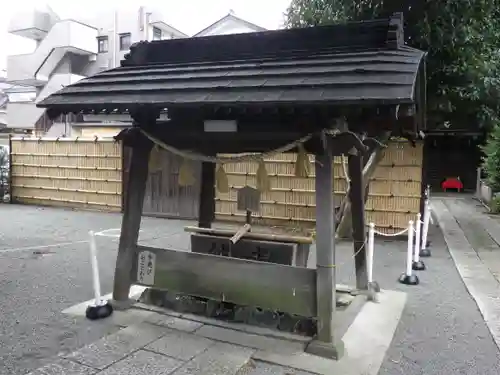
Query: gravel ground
35 288
441 331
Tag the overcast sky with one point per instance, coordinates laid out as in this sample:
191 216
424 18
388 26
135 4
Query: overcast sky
188 16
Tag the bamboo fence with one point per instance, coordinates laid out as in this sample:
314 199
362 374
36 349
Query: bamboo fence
87 173
394 198
77 173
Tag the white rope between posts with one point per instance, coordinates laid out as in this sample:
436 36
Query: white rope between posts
403 231
391 234
343 263
246 157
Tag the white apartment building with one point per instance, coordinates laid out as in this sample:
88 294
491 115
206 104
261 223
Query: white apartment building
3 100
68 50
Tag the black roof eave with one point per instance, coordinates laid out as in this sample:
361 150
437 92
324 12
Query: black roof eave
126 107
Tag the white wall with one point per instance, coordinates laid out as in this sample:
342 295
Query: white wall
3 116
23 115
229 26
127 21
15 97
70 47
56 83
65 36
32 23
80 33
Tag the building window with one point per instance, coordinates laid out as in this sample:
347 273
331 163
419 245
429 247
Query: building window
157 34
102 44
125 42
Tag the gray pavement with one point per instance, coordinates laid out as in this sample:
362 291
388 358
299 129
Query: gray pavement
441 330
470 235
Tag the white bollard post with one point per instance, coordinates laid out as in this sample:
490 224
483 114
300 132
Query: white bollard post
408 278
418 226
100 309
418 265
369 252
373 287
424 251
409 251
95 269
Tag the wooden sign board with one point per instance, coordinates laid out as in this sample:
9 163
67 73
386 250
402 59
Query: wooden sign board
262 251
248 199
146 264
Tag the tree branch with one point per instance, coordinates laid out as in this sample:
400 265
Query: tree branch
344 227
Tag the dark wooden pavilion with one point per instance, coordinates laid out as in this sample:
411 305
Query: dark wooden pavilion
277 87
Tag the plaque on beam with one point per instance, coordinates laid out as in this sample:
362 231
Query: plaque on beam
257 250
248 199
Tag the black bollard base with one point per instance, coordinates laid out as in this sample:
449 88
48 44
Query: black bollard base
409 280
418 266
99 312
425 253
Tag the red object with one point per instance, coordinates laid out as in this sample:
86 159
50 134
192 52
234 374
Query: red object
452 183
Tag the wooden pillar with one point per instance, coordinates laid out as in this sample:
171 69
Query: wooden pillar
425 175
356 197
132 213
9 186
206 213
326 344
125 172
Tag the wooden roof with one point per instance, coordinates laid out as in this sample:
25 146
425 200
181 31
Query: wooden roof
355 63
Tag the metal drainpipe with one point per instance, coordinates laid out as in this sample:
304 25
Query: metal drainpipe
146 25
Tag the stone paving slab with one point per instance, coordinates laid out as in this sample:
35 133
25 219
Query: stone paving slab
173 345
163 313
219 359
166 314
64 367
117 346
249 340
173 322
366 341
180 345
129 317
261 368
144 363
